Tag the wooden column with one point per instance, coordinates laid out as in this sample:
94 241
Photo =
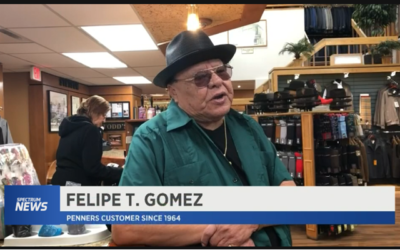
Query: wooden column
307 130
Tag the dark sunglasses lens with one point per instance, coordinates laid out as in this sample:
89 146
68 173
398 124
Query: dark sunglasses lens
224 72
202 79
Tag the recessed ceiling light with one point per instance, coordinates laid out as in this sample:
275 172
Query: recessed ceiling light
238 86
122 37
96 60
132 79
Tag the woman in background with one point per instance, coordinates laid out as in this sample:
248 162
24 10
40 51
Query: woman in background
80 148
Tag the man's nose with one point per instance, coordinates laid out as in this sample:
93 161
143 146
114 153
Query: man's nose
215 80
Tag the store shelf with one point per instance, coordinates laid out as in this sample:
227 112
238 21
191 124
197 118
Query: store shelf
255 117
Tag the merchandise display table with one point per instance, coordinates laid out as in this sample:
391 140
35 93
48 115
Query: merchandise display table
97 235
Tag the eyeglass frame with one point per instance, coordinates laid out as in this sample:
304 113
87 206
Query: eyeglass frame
212 70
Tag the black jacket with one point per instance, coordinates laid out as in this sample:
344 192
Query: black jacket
79 154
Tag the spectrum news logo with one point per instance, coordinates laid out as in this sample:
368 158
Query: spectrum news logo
30 205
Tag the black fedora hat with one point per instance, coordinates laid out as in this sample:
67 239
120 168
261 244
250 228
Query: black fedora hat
189 48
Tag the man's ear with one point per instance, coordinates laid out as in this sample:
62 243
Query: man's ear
172 92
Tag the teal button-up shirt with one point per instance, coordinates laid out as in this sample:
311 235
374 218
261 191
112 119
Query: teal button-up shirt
172 150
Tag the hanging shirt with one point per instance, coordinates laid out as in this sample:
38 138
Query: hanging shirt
378 159
172 150
388 108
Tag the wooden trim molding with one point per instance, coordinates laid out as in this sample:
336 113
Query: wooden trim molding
334 69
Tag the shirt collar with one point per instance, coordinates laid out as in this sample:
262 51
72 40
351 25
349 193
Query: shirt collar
374 146
177 118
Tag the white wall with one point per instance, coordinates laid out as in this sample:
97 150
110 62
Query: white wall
282 26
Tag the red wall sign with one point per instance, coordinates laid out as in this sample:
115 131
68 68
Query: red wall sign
36 74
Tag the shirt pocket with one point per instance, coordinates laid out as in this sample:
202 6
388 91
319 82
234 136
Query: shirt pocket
193 174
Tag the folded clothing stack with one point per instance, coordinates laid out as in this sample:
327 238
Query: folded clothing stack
263 102
339 99
304 97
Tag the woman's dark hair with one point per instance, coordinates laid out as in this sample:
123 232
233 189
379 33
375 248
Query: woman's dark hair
94 105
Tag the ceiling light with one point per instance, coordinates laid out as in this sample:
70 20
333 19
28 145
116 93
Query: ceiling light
96 60
193 22
132 79
239 86
346 75
132 37
393 73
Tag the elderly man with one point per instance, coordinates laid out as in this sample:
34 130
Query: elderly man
200 141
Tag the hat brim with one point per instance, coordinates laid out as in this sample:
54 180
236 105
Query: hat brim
223 52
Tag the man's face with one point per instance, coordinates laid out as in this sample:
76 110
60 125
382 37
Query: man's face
207 97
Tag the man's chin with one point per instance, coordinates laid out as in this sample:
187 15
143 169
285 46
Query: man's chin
221 110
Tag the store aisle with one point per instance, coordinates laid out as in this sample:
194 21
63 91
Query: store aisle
365 235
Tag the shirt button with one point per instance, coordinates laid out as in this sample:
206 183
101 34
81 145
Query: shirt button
235 180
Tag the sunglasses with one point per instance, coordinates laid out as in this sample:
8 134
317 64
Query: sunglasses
202 78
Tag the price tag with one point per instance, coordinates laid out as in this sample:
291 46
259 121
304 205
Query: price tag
298 140
375 162
277 140
396 104
299 175
291 174
358 153
283 141
290 142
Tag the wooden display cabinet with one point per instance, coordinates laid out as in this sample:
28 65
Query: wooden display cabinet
130 128
307 128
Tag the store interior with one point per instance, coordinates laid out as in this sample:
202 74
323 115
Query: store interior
339 97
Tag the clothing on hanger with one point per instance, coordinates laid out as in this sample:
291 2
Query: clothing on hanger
7 138
387 107
377 158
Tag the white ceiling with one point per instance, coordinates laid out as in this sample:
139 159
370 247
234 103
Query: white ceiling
46 31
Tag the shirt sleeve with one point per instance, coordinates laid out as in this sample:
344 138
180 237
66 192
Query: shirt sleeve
277 172
141 162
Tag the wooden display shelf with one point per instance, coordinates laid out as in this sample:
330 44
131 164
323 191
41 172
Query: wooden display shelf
307 128
255 117
326 70
130 127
